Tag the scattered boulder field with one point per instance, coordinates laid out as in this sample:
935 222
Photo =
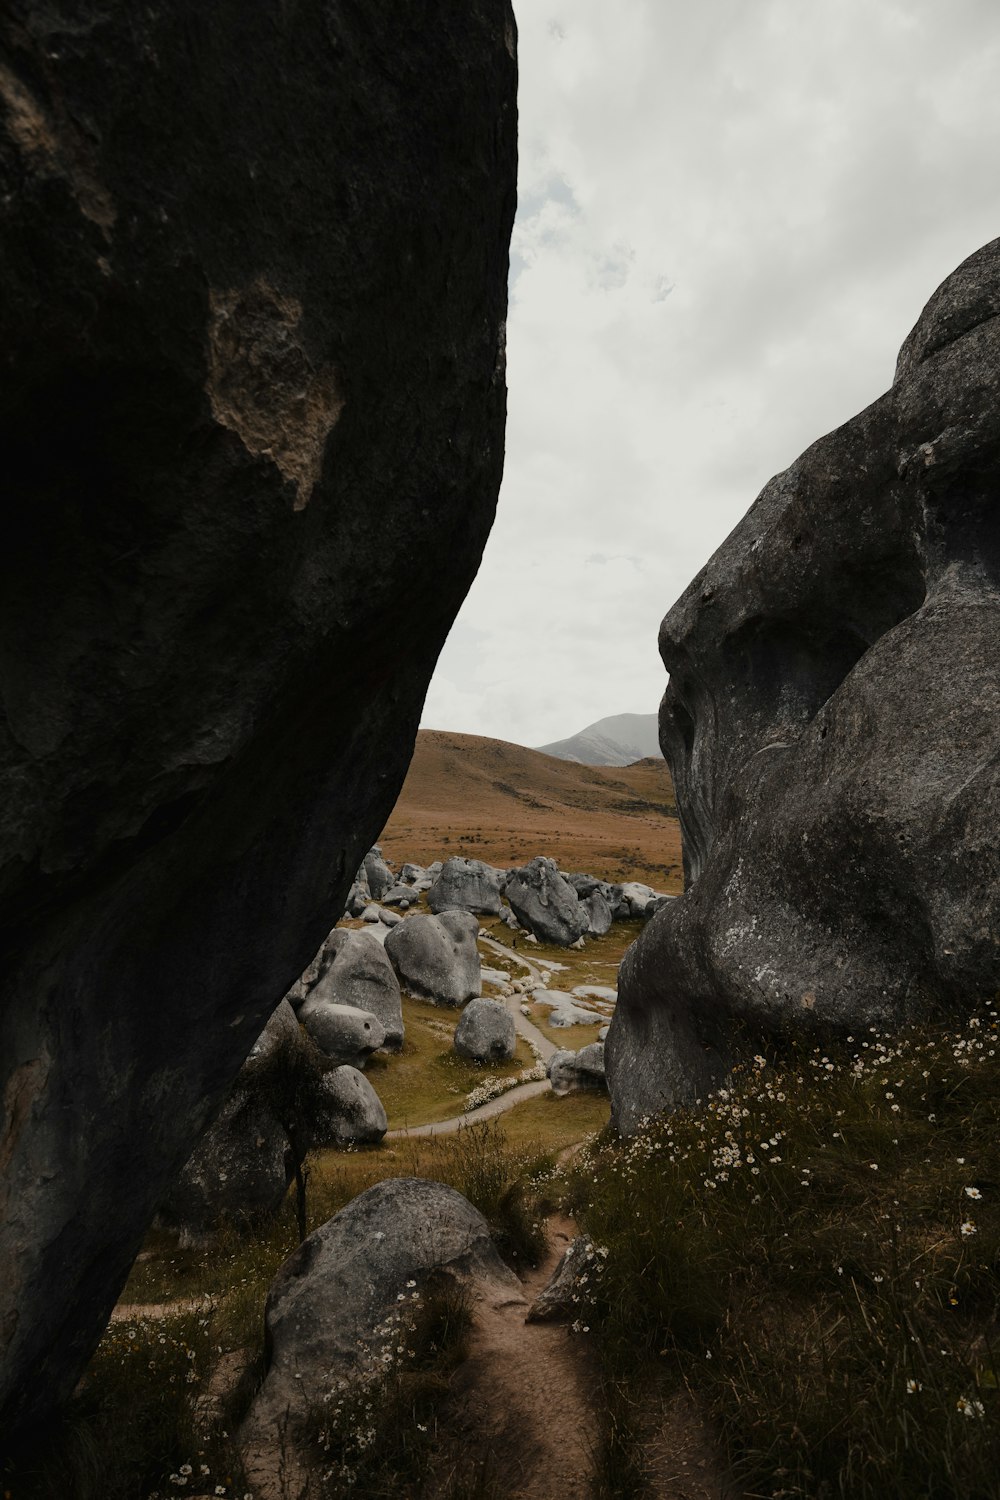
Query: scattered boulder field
347 1006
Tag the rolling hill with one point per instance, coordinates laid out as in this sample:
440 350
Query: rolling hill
503 803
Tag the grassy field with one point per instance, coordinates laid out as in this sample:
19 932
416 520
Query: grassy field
428 1081
502 803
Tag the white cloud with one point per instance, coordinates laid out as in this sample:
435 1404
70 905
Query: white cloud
730 216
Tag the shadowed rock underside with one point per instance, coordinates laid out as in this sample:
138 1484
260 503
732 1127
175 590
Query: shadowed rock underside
252 402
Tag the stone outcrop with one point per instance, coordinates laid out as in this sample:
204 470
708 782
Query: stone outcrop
486 1032
339 1304
466 885
545 903
240 1169
832 725
254 268
437 957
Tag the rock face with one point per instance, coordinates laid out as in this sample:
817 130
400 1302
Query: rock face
333 1310
437 957
832 724
545 903
466 885
353 970
254 267
486 1033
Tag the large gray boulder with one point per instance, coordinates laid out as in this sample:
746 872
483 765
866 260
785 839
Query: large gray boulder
486 1032
437 957
598 911
832 723
254 271
466 885
545 903
375 873
342 1032
354 970
352 1113
339 1303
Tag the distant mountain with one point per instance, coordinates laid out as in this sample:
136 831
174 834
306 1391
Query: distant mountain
616 741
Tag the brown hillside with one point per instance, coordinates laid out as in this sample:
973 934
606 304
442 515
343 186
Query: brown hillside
491 800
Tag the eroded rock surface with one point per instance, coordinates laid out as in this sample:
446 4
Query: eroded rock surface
466 885
486 1033
832 725
254 267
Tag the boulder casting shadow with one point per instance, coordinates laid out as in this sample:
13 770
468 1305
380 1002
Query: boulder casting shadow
251 406
832 725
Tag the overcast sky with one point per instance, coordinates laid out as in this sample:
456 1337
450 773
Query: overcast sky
730 215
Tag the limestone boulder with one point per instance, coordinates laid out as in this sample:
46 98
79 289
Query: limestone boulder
351 1112
486 1032
832 722
466 885
437 957
376 874
573 1072
545 903
339 1304
598 912
238 1172
353 970
566 1288
341 1032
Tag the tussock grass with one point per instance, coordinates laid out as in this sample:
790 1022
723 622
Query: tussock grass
815 1252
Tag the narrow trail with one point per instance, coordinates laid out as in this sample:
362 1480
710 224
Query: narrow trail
485 1111
532 1386
535 1388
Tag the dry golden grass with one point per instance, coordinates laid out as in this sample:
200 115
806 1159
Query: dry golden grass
491 800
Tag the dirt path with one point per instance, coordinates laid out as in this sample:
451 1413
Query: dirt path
532 1387
486 1111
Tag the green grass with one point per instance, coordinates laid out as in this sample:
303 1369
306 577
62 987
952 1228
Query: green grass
428 1081
816 1253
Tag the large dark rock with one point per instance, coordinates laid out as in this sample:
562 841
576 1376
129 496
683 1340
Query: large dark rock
832 725
254 266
